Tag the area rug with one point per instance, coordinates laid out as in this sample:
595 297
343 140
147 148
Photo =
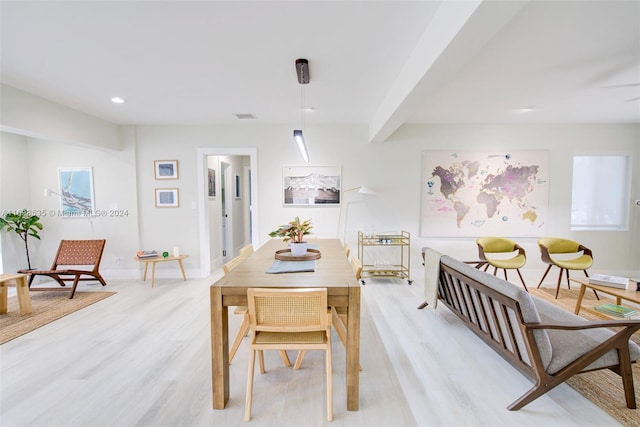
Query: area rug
604 388
47 307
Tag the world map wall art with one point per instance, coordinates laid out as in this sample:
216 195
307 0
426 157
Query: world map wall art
470 194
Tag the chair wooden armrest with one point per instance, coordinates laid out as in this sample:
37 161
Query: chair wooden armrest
633 325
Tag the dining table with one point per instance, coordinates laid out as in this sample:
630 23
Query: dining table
331 271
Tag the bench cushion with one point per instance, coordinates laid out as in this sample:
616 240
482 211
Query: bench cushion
567 346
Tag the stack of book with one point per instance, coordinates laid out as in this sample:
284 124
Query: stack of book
615 310
146 254
611 281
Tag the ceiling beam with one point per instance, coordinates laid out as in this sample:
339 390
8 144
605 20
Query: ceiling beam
456 33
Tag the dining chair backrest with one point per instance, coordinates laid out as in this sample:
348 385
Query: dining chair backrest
288 310
233 263
246 250
356 266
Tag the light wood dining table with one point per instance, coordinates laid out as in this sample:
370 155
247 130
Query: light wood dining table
332 271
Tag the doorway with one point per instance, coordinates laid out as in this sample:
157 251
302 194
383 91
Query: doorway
226 213
211 213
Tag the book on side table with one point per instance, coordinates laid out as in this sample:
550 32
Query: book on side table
607 280
615 310
146 254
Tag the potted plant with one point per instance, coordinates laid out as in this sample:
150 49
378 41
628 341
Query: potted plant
294 232
24 225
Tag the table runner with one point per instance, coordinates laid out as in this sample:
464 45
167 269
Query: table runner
279 266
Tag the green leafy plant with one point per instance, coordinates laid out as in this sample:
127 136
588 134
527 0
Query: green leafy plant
24 225
293 231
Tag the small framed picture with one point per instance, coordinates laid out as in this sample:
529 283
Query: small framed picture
212 183
166 169
167 198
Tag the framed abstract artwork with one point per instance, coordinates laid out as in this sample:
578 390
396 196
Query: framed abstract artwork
167 198
311 185
166 169
76 192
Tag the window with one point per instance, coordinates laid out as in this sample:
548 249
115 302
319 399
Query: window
600 193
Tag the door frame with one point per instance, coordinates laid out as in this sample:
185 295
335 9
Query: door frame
203 217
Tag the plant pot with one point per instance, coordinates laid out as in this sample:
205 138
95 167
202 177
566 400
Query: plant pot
298 249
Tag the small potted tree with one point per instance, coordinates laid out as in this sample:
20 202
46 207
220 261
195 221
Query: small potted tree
24 225
294 232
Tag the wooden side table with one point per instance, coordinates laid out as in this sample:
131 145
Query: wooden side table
20 282
158 259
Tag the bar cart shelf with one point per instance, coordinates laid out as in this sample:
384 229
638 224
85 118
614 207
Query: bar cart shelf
396 244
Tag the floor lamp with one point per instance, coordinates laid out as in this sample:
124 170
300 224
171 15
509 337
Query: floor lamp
362 190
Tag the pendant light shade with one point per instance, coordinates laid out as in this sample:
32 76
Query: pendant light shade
302 70
298 137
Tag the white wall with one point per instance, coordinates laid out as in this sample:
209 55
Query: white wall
393 169
14 196
114 177
30 115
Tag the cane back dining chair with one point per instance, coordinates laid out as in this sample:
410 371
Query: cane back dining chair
499 251
68 265
288 319
243 310
566 255
338 316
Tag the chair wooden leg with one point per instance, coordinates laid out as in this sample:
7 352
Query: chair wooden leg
559 282
247 404
594 291
329 383
568 282
75 285
261 361
627 377
285 358
522 280
296 366
341 328
242 332
544 275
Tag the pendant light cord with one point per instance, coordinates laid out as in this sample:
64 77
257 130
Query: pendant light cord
302 107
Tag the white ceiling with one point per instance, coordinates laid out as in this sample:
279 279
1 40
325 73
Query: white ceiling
203 62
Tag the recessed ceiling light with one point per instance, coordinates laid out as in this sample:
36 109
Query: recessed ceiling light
310 109
526 109
245 116
117 100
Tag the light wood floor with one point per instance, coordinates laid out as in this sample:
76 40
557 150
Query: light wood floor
142 358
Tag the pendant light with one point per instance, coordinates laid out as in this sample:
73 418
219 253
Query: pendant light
302 70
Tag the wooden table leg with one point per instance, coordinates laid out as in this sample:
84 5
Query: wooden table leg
219 349
3 298
353 349
24 299
184 276
153 273
580 296
144 276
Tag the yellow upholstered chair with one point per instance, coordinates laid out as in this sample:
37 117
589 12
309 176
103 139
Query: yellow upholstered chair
243 309
288 319
492 246
550 247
